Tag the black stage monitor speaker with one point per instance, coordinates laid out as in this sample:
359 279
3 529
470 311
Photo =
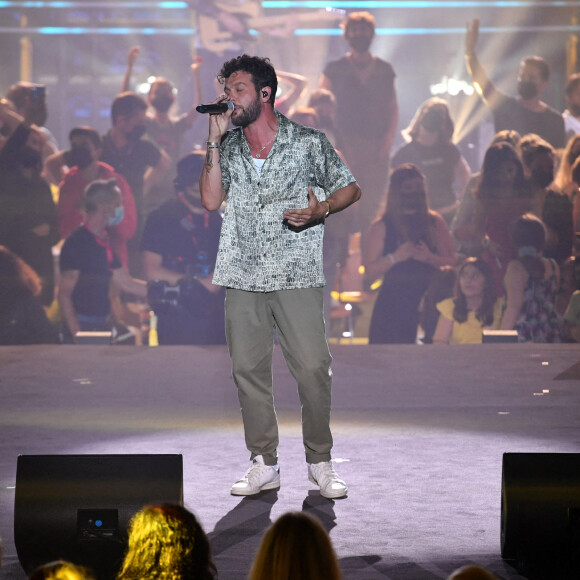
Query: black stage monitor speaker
77 507
540 511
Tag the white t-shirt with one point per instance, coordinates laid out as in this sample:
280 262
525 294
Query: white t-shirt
258 164
571 124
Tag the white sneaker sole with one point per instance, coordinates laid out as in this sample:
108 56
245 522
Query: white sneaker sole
248 491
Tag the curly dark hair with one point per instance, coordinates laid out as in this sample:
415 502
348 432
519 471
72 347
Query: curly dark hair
485 312
261 69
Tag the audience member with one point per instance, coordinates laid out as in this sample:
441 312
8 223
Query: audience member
572 113
465 214
501 198
474 307
28 216
85 167
164 128
571 328
295 547
406 246
22 317
323 102
441 286
472 572
88 264
431 149
563 180
61 570
140 162
179 245
167 542
576 208
553 207
364 139
526 113
531 284
29 100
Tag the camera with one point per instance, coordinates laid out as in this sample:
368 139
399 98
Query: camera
161 292
187 295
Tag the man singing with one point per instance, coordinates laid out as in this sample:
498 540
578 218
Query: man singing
270 261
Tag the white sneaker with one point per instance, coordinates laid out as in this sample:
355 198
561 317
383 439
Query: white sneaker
324 475
259 477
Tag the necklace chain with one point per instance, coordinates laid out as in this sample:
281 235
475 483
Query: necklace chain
259 151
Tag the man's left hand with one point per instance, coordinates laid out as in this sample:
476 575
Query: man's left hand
301 217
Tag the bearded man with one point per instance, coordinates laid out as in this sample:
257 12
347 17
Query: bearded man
270 261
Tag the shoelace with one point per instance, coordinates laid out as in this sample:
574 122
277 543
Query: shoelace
326 474
255 471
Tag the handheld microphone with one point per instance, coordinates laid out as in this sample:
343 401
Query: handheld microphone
216 108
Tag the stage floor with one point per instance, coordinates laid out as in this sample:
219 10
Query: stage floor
419 436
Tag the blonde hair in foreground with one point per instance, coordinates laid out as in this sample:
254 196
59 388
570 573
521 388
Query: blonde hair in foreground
166 542
61 570
295 547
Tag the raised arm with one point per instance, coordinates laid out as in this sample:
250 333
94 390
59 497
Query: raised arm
198 97
478 74
296 83
131 59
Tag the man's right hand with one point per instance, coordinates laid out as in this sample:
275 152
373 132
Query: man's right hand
218 124
471 35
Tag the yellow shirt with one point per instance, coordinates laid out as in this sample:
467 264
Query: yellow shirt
470 331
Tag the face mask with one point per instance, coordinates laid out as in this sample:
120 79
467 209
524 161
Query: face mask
360 43
30 158
162 103
413 201
432 121
574 109
136 133
118 217
527 90
79 157
542 177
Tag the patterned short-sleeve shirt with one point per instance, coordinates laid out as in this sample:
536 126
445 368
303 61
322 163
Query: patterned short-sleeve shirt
259 251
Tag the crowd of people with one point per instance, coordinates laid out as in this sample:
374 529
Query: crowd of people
121 215
167 542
